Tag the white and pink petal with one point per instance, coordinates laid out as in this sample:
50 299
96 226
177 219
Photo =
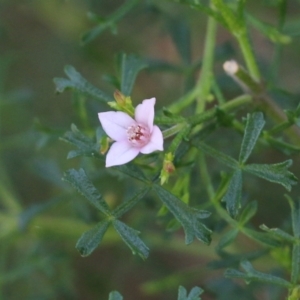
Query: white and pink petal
155 143
115 124
120 153
144 113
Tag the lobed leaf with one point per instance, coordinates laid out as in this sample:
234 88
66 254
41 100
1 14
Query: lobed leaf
232 198
188 217
193 295
90 240
84 186
78 83
130 67
254 126
130 237
277 173
114 295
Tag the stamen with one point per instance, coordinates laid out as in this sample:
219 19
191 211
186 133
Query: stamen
138 135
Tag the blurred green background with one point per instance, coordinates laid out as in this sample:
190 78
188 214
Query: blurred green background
41 217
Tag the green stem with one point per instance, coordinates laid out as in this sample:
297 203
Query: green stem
248 55
205 80
228 106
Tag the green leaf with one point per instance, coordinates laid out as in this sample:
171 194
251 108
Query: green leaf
78 83
248 212
132 171
130 67
295 208
253 275
114 295
109 22
193 295
188 217
232 198
254 126
128 204
277 173
269 31
84 186
90 240
85 145
295 264
223 158
206 9
227 238
130 237
263 238
278 233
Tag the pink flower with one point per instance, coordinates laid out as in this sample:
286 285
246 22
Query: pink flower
131 136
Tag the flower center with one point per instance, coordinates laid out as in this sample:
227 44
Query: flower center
138 135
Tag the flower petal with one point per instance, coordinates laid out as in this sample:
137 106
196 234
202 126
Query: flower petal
156 142
144 113
120 153
115 124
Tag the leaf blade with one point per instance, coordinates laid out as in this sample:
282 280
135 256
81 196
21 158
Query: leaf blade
233 195
90 239
80 84
80 181
277 173
131 239
254 126
130 67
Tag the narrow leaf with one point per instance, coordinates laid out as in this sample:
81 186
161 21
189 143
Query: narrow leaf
221 157
295 264
130 237
188 217
253 275
262 237
278 233
227 238
248 212
269 31
295 208
128 204
80 84
108 23
84 186
232 197
114 295
254 126
131 66
132 171
277 173
90 240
